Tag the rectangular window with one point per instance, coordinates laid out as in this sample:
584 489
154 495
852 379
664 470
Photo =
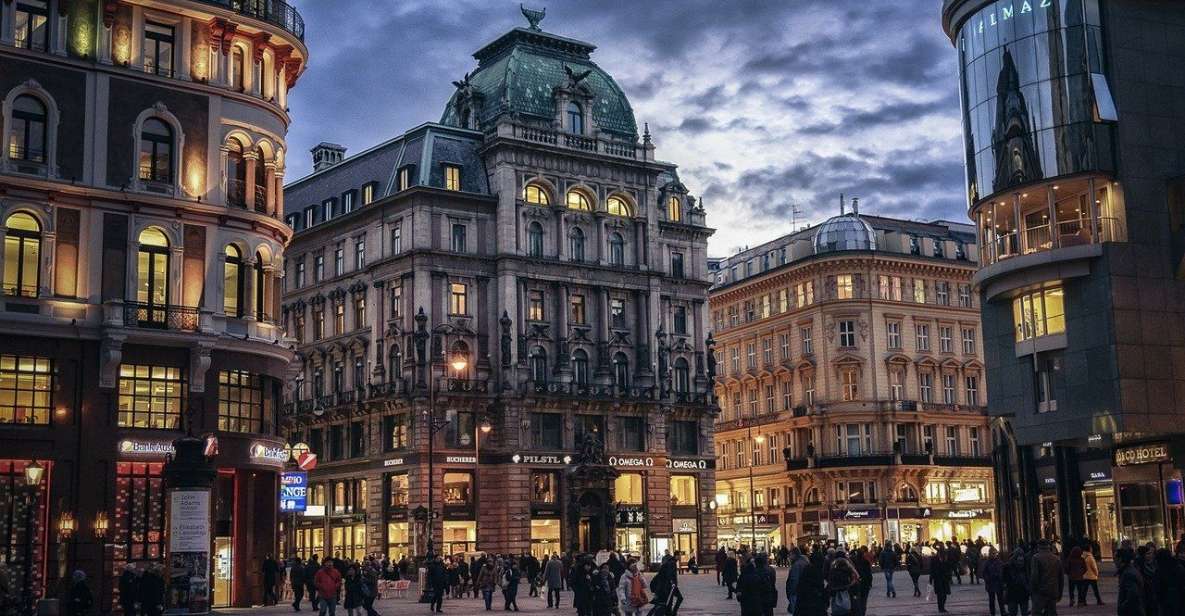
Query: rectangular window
348 201
535 303
919 291
458 238
617 313
458 298
242 404
318 268
783 300
310 217
942 293
677 264
32 25
767 354
805 292
632 433
968 341
396 432
300 274
896 385
359 253
397 237
752 402
357 439
327 209
769 399
948 389
807 346
318 323
367 193
158 49
547 430
784 344
945 343
339 317
894 330
458 487
923 337
359 311
750 312
843 286
396 301
735 357
850 384
679 319
545 487
577 314
952 440
787 395
847 334
964 296
1039 313
339 259
890 288
452 177
684 437
971 385
150 396
751 356
397 491
26 389
808 389
734 317
405 177
926 386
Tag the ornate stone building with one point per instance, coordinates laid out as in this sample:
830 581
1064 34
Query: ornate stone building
851 386
140 175
524 284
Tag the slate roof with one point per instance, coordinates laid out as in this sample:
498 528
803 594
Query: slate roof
517 73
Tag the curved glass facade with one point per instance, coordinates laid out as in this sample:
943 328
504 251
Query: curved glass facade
846 232
1032 84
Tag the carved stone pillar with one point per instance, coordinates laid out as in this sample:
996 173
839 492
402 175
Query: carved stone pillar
251 160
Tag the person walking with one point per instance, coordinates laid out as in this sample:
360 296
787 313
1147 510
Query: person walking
437 583
1045 580
749 591
328 582
128 590
487 581
888 561
769 585
940 573
310 573
1090 579
721 556
370 573
79 600
1168 584
1016 584
730 575
992 572
1075 570
604 593
580 581
353 585
631 591
510 586
553 575
798 564
152 592
297 579
914 565
842 579
863 564
810 596
1132 585
973 557
271 569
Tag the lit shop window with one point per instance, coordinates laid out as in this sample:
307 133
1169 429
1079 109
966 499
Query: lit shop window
1039 313
241 401
150 396
627 489
26 389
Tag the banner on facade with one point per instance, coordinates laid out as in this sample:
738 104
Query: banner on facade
294 488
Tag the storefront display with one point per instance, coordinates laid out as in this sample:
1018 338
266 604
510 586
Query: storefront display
686 539
398 540
460 536
961 524
1149 493
545 537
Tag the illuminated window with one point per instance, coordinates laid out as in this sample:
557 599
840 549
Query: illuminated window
627 489
368 193
579 200
22 255
843 286
397 491
674 209
27 136
578 314
919 291
152 277
339 317
242 404
535 306
452 177
545 487
458 298
618 207
397 431
457 488
156 152
32 24
805 292
850 384
359 311
158 50
138 523
536 195
26 390
404 177
684 490
150 396
1039 313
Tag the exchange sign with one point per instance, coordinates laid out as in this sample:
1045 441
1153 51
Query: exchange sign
294 490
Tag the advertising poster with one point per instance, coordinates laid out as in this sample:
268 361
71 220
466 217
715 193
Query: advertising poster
189 552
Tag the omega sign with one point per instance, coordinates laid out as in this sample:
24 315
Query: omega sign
687 465
1142 454
630 462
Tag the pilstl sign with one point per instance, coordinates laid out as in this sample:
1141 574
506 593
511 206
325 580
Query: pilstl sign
1142 454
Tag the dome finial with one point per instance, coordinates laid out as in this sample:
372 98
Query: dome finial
533 16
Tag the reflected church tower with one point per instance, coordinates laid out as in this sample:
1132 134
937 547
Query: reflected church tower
1013 143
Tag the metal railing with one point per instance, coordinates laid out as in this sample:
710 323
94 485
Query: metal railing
236 192
275 12
624 149
21 153
160 316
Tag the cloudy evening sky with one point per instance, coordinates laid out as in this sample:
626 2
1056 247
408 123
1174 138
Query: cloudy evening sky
762 104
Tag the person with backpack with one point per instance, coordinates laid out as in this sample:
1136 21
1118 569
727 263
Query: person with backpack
915 565
631 591
842 580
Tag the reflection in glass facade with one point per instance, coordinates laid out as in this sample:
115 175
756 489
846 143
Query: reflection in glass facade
1029 110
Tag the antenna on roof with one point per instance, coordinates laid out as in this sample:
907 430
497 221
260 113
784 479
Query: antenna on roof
841 210
794 212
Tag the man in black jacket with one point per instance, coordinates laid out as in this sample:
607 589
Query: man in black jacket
310 570
297 579
730 575
271 570
129 590
152 592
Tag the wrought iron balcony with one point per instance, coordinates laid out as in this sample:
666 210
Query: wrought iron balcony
160 316
275 12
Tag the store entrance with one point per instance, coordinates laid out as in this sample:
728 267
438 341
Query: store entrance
1099 506
223 570
591 530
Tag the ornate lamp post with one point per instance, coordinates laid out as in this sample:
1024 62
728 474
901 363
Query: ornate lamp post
102 525
33 473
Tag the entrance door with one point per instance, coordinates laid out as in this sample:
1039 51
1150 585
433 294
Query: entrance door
223 559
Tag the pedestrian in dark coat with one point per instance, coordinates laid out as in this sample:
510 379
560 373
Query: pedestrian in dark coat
730 575
271 569
769 585
1132 586
129 590
864 586
992 572
437 583
810 598
553 575
152 593
721 556
940 572
1045 579
749 591
512 576
80 599
1168 584
1016 584
353 584
310 572
604 594
914 564
297 579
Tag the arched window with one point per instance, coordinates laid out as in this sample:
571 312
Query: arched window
22 255
580 367
812 496
682 376
260 282
535 239
458 357
579 200
394 363
152 277
616 249
338 380
536 195
27 137
575 119
236 174
674 209
156 151
906 494
539 365
618 207
260 181
576 244
232 289
621 370
237 69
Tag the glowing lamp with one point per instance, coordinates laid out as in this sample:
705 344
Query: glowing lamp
66 525
459 362
486 427
33 473
102 524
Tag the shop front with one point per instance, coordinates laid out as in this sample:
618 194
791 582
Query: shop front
459 530
397 526
1047 507
858 526
816 527
1151 507
906 524
1098 504
959 524
763 531
630 529
546 515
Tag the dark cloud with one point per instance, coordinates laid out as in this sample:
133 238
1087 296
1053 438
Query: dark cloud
767 106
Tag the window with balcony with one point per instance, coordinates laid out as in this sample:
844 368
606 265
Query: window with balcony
808 389
1086 210
926 386
928 438
27 137
948 389
1039 313
152 277
156 152
952 440
575 118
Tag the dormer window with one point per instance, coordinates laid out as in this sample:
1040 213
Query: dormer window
452 177
404 180
579 200
575 119
674 209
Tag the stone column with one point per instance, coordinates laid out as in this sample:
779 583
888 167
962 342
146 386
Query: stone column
185 42
269 179
8 22
277 192
248 299
60 29
251 161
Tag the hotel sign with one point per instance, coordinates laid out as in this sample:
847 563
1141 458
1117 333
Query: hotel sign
1142 454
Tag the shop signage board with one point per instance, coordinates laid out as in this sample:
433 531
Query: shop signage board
687 465
536 459
1142 454
631 461
856 514
307 461
145 448
964 514
631 515
268 453
460 459
294 489
685 525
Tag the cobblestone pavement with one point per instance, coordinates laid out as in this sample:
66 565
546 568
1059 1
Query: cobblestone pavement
703 597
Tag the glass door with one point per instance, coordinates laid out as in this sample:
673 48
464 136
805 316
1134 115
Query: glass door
223 559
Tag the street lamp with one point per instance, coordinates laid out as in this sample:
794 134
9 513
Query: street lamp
759 439
459 362
102 525
33 473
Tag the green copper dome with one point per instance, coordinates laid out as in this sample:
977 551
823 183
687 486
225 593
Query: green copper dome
518 73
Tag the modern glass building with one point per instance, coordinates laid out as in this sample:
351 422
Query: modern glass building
1073 135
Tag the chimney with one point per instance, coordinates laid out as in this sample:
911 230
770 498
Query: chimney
326 155
855 206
